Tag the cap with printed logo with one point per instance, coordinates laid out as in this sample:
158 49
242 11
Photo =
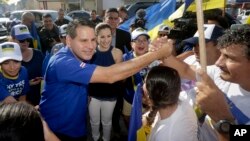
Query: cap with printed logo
211 32
164 28
138 32
20 32
10 51
63 30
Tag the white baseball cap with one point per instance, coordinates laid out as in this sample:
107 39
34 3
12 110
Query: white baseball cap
164 28
211 32
138 32
63 30
20 32
10 51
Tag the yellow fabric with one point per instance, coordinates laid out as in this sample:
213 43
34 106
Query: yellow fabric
208 4
198 111
35 44
142 133
248 20
154 32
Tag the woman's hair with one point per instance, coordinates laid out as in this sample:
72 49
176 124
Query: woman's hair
100 27
20 122
163 86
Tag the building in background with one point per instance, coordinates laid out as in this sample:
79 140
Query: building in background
234 6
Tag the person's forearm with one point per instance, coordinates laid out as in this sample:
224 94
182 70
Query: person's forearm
184 55
223 113
123 70
223 137
184 70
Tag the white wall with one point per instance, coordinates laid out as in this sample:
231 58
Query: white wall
112 3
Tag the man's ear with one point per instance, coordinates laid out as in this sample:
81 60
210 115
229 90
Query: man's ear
68 40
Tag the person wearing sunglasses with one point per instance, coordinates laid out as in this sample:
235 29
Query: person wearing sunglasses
163 31
32 61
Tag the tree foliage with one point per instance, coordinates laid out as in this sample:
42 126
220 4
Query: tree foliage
3 1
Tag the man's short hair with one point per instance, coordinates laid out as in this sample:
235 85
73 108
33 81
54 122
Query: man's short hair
47 15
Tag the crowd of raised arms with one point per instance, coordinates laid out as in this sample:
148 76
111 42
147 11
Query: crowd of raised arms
90 80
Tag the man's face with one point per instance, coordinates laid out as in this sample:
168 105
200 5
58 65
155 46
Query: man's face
93 15
211 51
60 15
48 23
11 67
28 21
112 18
84 44
63 39
234 65
123 15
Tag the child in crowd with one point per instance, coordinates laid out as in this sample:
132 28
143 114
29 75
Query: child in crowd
14 83
177 120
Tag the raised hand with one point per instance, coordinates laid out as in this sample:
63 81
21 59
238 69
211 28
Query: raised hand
211 99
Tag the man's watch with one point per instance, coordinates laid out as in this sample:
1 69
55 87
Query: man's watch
223 126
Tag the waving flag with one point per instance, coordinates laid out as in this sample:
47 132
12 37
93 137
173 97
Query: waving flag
155 16
208 4
179 12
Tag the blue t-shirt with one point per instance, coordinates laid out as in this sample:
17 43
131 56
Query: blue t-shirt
132 82
14 87
64 97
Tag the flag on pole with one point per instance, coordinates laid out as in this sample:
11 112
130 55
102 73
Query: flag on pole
156 15
208 4
179 12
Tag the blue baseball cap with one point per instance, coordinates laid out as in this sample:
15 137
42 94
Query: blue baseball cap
20 32
211 32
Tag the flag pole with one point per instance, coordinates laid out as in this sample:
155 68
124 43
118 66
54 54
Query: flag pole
224 8
200 23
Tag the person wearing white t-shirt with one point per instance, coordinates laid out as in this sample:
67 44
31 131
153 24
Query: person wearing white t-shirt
177 120
225 95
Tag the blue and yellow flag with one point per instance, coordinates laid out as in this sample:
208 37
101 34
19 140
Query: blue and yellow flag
179 12
208 4
136 114
156 15
36 39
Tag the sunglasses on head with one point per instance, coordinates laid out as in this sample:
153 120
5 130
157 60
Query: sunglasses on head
22 41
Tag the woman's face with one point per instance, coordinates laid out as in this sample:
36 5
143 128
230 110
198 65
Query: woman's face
140 45
104 38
